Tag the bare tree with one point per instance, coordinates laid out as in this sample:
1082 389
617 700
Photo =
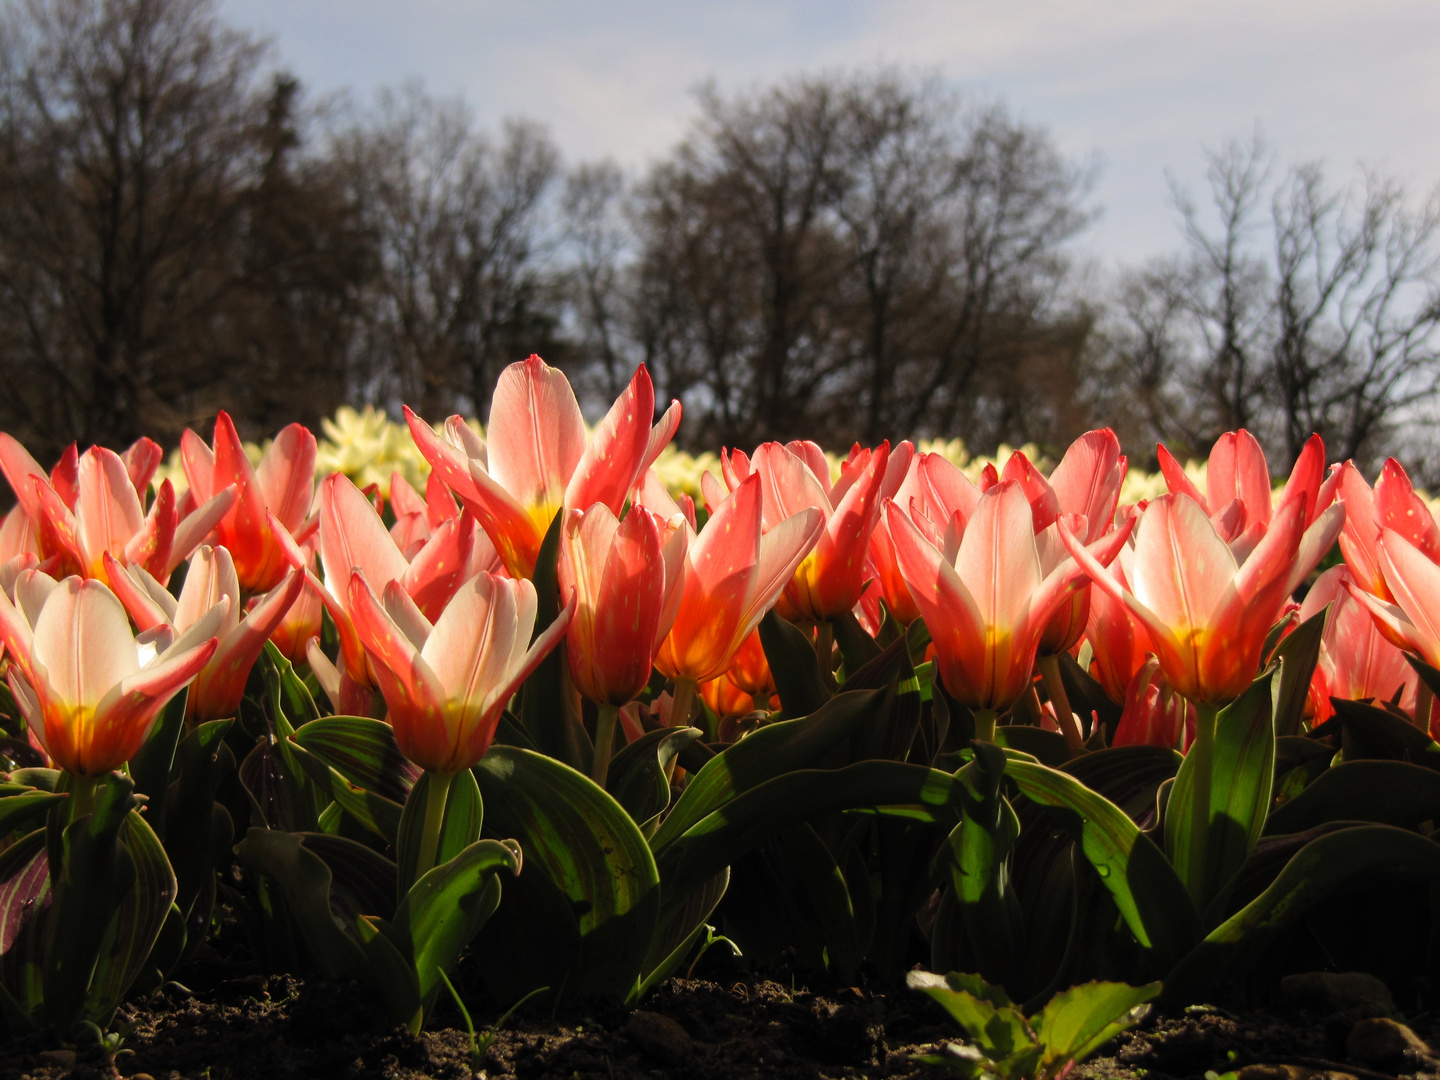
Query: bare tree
459 225
126 139
860 255
1300 307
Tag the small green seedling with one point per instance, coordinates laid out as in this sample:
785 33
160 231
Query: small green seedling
480 1043
1007 1045
711 938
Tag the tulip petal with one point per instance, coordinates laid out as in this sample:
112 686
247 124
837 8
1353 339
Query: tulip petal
286 476
192 530
997 558
536 435
1415 583
1087 480
615 455
83 640
353 536
1179 482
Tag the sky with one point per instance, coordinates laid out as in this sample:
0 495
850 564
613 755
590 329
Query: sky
1139 89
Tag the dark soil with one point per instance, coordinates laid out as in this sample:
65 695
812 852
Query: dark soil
228 1024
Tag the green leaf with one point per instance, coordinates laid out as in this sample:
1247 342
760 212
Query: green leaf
1324 865
464 816
304 880
97 870
1086 694
1150 896
794 665
362 880
638 777
994 1025
824 894
1241 775
18 809
289 694
1386 792
1048 746
584 842
363 751
1078 1021
447 907
138 920
856 646
675 936
1371 734
24 906
765 754
205 761
151 766
1298 652
986 901
722 836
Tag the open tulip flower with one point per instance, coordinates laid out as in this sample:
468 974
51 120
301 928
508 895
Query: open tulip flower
282 485
1207 613
353 536
796 476
1239 502
106 516
1392 504
87 686
734 572
987 603
536 456
210 580
445 685
1356 660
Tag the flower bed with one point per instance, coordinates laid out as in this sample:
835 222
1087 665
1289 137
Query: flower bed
568 706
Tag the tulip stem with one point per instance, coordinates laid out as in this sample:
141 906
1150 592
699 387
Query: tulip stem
82 795
605 716
682 702
824 650
1055 686
984 724
1202 754
436 792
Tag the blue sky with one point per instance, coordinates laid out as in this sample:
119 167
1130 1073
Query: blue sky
1140 87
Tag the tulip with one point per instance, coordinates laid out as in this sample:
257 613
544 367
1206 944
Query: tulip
724 697
89 689
626 592
1356 661
1414 581
353 536
107 518
750 671
828 582
1393 504
445 685
416 519
987 604
282 485
1085 483
538 458
733 574
302 621
211 579
1119 642
1238 499
1208 612
1154 714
